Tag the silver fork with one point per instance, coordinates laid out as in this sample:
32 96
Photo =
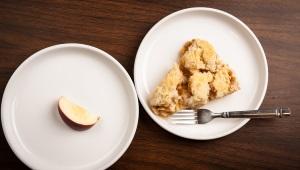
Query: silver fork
201 116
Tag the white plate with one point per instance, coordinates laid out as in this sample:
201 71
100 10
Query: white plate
86 75
234 42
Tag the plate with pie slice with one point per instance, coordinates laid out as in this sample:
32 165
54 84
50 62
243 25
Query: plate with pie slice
69 106
200 58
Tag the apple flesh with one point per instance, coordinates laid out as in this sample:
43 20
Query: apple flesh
77 117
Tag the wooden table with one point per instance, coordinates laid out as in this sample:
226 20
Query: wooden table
118 28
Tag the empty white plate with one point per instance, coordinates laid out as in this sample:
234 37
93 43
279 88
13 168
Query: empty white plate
86 75
236 45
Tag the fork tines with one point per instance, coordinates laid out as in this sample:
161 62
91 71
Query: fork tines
186 117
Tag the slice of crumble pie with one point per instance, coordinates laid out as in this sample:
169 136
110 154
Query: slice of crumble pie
200 77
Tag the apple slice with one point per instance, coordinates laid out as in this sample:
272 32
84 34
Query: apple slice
75 116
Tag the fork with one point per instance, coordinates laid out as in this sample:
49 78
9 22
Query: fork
201 116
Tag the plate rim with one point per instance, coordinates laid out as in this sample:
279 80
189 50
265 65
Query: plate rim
193 9
12 141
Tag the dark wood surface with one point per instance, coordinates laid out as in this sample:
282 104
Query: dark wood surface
118 27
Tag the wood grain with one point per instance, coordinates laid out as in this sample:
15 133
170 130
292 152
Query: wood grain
118 27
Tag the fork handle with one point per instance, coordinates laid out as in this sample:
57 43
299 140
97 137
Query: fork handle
262 113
